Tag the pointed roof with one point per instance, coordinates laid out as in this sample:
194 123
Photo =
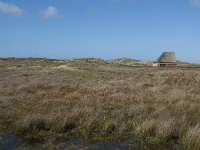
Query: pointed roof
167 57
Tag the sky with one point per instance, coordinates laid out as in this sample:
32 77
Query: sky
138 29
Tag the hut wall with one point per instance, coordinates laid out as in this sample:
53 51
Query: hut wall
163 64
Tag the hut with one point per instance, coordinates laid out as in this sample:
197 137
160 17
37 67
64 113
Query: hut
166 59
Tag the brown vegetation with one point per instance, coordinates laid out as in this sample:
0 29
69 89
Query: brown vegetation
154 108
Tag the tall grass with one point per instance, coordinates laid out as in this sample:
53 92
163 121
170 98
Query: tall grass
152 108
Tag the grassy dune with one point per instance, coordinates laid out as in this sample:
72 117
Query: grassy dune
153 108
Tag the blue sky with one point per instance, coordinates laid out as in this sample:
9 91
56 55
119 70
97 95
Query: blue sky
140 29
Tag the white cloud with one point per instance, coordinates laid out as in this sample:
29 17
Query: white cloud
10 9
50 12
195 3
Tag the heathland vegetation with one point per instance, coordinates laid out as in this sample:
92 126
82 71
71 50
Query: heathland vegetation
93 99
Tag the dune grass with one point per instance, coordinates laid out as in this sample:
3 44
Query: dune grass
147 107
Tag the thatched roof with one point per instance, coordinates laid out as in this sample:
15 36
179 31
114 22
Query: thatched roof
167 57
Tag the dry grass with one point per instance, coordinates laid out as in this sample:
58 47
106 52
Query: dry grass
99 100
